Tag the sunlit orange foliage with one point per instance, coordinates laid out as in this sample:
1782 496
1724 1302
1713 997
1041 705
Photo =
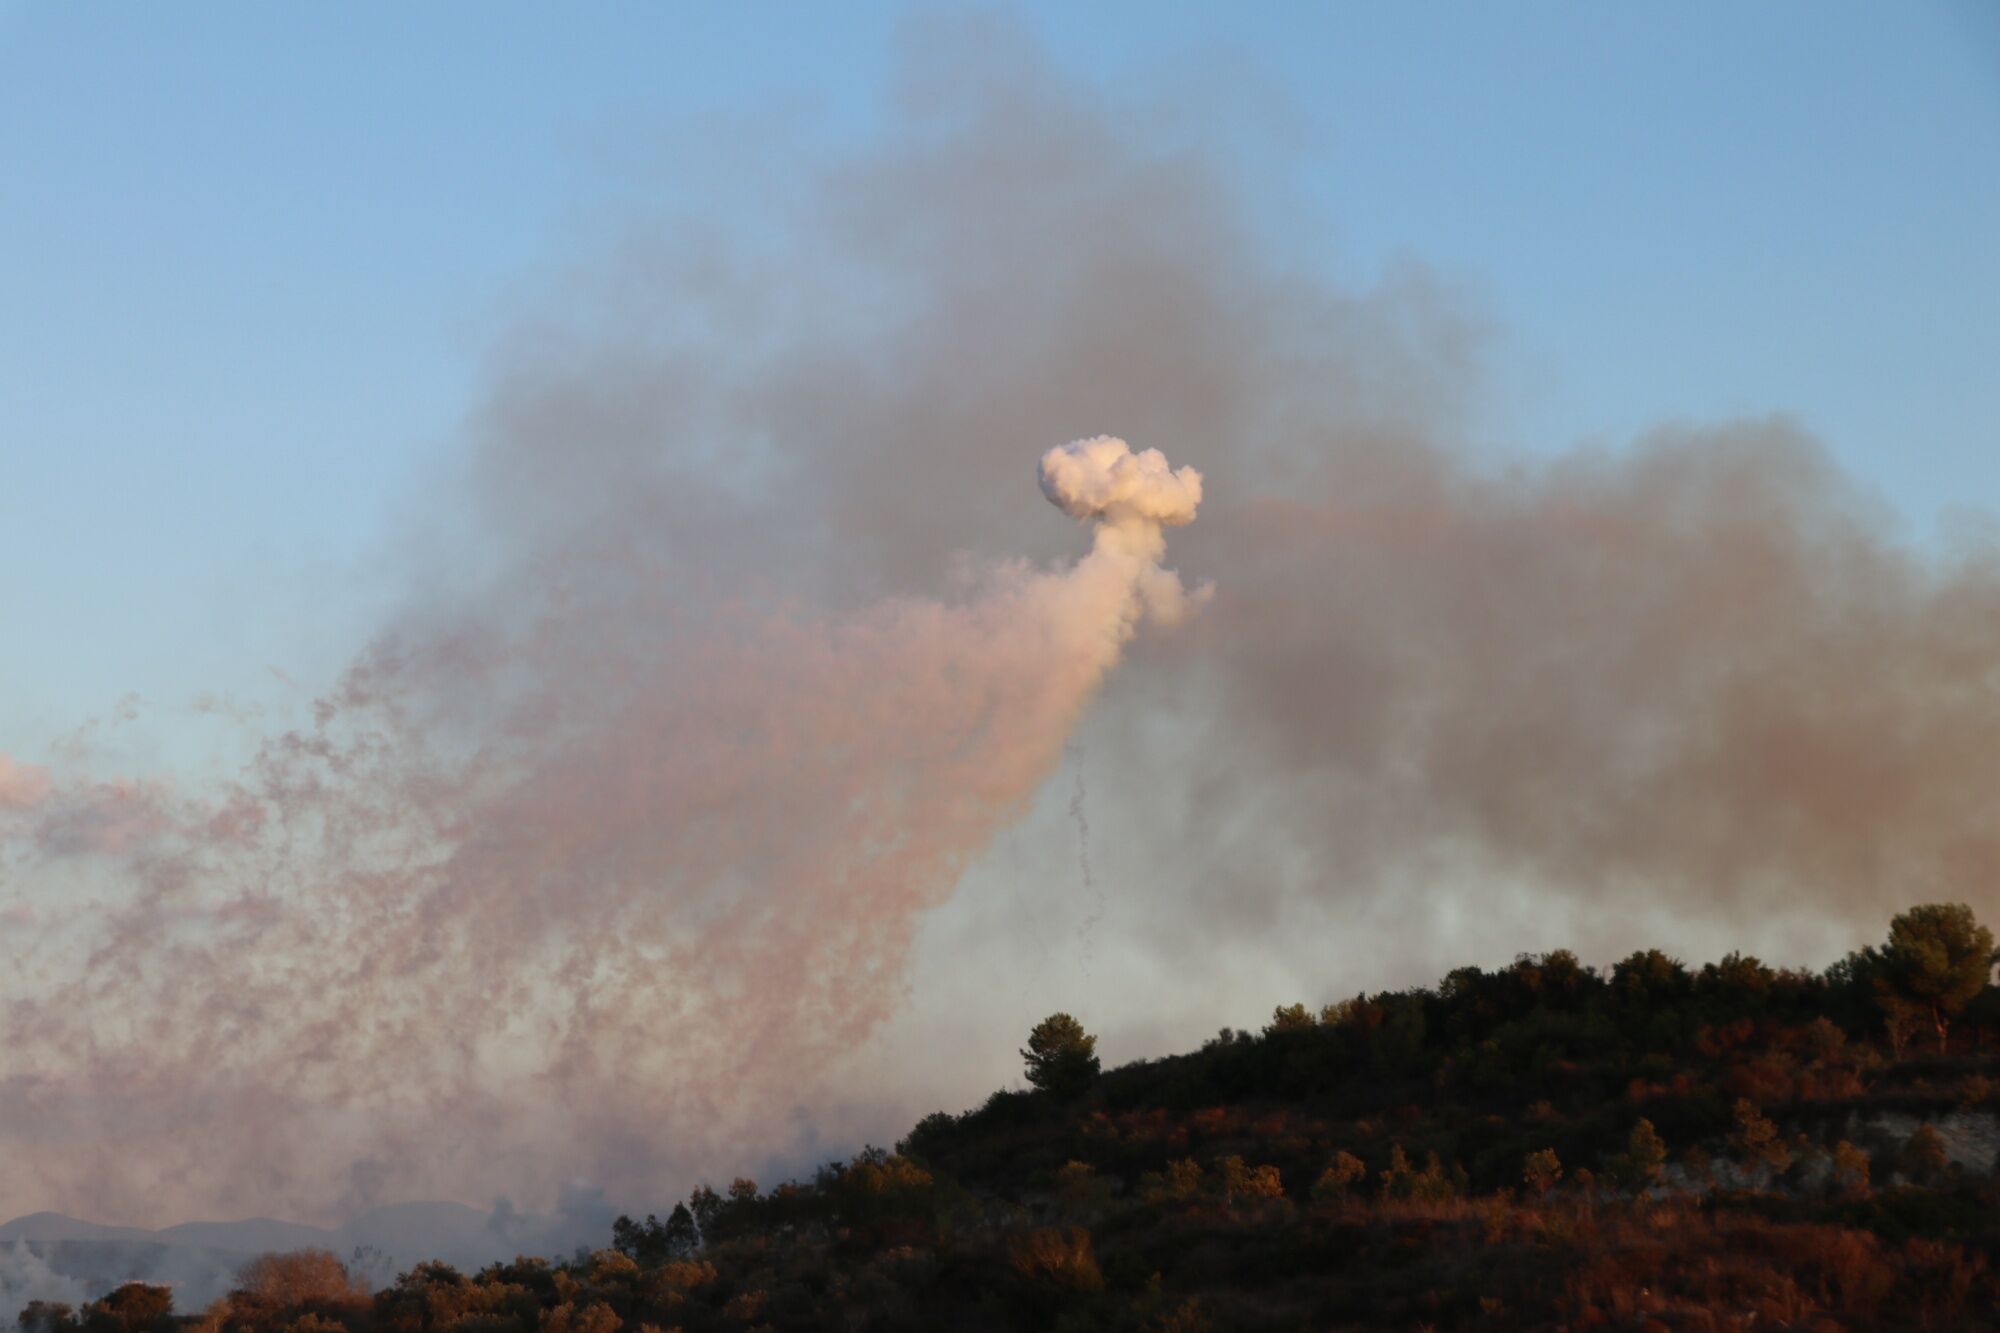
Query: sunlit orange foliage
1210 1121
596 1317
1717 1039
1058 1257
297 1279
1744 1272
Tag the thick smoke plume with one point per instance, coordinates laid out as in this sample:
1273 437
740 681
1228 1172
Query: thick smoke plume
1131 496
555 897
723 667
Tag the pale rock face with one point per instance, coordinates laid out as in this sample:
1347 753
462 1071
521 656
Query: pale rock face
1971 1137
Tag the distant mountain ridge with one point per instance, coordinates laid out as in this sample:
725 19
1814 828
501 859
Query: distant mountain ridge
49 1255
419 1230
55 1226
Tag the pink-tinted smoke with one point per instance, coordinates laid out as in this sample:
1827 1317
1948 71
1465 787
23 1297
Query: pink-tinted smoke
581 897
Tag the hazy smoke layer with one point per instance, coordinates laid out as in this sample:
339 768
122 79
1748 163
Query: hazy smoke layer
719 675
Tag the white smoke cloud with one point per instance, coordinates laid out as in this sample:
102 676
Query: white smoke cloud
1132 496
26 1275
1102 478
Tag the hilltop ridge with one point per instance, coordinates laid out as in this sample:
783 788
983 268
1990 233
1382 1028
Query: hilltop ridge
1543 1145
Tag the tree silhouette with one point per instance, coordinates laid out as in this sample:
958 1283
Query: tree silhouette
679 1238
1061 1056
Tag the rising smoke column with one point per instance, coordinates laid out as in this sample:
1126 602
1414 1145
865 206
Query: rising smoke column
673 872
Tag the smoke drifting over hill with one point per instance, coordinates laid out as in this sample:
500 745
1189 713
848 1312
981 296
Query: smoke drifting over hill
726 664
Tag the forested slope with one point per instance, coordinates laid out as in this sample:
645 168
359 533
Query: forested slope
1641 1146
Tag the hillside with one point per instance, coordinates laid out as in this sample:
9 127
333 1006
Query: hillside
1643 1146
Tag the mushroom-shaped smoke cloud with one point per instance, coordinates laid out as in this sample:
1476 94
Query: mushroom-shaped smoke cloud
1102 478
1132 496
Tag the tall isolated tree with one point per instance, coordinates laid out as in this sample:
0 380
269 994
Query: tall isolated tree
1645 1156
1937 960
1061 1056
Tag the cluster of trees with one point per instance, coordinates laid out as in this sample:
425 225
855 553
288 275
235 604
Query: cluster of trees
305 1291
1547 1020
1539 1145
135 1307
1691 1115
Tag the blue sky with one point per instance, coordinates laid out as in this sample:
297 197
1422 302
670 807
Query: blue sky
254 254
